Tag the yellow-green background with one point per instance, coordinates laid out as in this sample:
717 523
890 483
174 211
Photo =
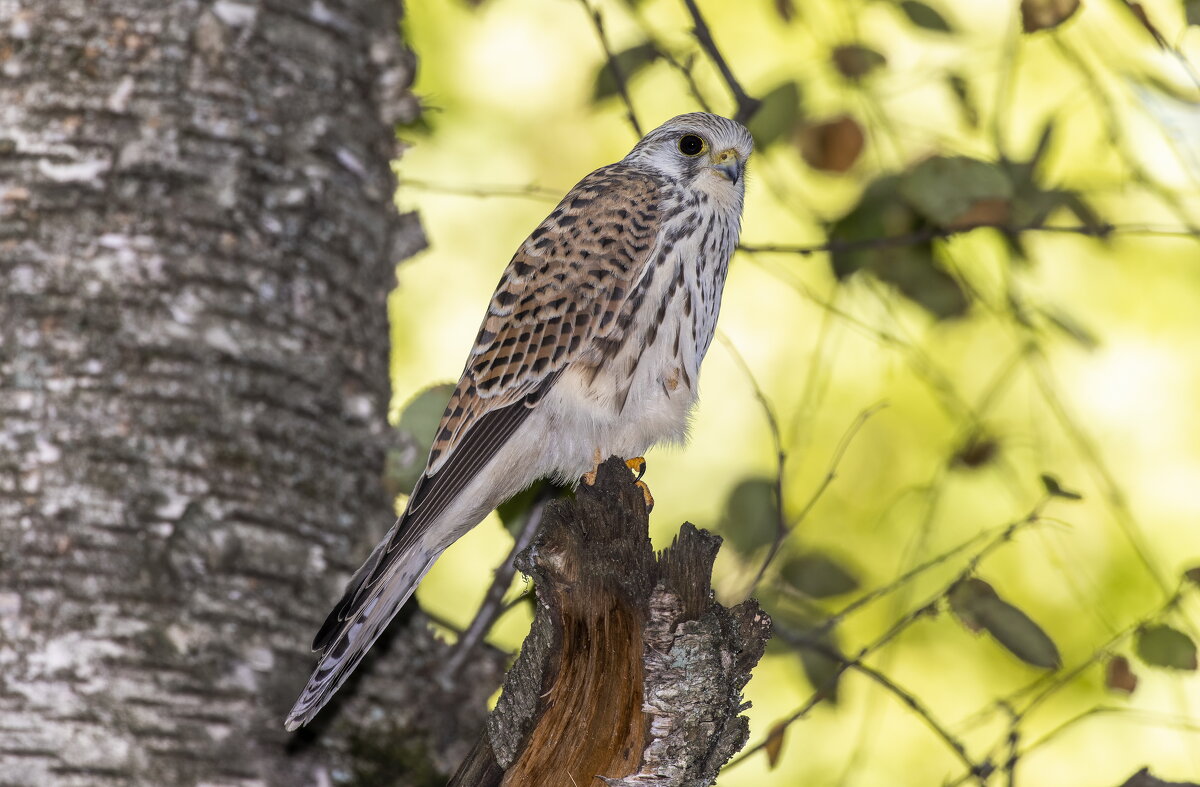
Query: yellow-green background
507 88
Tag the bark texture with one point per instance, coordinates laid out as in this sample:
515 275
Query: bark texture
631 673
197 238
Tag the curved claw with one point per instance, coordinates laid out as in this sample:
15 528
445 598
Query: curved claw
646 494
637 465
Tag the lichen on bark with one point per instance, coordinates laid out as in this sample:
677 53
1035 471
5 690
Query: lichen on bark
197 238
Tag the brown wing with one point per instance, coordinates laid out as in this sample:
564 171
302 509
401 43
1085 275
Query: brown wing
563 291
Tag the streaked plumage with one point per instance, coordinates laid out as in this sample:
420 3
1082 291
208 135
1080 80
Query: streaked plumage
591 347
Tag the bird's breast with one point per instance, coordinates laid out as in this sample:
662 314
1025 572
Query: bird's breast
637 388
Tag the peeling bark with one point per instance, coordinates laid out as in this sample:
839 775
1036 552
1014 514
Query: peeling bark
631 673
197 238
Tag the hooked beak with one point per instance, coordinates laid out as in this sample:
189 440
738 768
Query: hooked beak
729 165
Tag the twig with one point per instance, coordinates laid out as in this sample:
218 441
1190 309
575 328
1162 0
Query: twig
746 105
1001 535
612 65
781 526
685 68
530 191
979 770
830 475
932 233
492 606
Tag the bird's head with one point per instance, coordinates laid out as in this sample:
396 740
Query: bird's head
699 151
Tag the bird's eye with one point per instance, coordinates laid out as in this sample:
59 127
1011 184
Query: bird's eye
691 145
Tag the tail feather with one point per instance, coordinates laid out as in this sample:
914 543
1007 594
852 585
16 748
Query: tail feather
342 610
355 623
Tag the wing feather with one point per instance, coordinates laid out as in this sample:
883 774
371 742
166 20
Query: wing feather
559 302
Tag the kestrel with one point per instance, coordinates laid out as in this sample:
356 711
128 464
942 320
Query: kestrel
591 347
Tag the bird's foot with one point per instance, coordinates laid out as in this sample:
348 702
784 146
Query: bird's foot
638 466
646 494
589 477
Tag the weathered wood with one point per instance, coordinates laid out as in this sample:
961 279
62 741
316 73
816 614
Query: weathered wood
631 671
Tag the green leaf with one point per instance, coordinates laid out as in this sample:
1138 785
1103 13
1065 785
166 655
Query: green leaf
978 606
751 517
925 16
818 575
820 667
962 92
860 243
1013 629
778 114
630 62
855 61
1055 489
1163 646
965 597
954 191
414 437
514 512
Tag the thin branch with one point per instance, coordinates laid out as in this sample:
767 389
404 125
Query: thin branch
746 105
492 606
612 65
530 191
931 233
1001 535
781 526
685 69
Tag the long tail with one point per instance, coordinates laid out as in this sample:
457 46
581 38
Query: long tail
369 603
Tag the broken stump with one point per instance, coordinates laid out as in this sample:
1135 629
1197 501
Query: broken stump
631 673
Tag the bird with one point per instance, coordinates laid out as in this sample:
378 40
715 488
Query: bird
591 347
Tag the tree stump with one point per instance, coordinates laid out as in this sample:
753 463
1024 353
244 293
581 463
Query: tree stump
631 672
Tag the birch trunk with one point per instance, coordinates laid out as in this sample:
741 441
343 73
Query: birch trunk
197 237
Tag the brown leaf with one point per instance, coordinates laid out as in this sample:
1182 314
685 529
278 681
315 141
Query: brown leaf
1193 575
992 211
1118 675
855 61
1046 14
977 451
774 744
834 145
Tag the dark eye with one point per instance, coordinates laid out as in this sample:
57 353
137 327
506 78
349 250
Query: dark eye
691 145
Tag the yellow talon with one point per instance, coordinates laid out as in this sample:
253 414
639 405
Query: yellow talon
637 465
589 477
646 494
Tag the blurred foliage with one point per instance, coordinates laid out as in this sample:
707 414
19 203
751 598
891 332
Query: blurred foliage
413 438
984 215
